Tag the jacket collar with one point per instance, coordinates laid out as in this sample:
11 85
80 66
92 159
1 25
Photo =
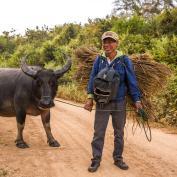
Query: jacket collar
119 53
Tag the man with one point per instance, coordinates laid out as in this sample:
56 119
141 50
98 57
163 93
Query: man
117 108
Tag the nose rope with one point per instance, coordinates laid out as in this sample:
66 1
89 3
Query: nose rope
92 109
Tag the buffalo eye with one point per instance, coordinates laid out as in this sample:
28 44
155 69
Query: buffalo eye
39 83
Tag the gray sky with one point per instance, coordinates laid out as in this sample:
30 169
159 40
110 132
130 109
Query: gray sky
22 14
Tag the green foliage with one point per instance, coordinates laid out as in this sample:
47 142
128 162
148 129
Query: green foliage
47 50
7 45
88 35
167 22
37 35
3 62
91 32
165 49
134 43
167 103
31 52
68 32
133 25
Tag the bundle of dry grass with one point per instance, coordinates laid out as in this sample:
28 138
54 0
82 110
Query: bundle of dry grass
86 56
151 76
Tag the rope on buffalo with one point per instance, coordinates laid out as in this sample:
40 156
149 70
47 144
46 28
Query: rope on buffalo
141 119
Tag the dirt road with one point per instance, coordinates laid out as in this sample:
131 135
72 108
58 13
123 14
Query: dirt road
73 128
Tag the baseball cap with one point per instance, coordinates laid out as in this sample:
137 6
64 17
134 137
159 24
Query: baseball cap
109 34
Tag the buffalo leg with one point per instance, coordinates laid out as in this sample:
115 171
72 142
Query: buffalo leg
20 143
45 115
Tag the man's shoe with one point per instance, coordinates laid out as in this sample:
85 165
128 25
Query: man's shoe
94 166
122 165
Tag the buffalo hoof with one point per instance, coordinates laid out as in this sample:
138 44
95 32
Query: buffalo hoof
54 143
21 144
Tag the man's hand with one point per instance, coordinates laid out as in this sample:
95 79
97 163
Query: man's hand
138 105
89 104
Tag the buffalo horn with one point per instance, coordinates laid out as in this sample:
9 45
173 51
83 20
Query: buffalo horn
26 69
65 68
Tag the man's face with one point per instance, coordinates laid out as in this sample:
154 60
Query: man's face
109 45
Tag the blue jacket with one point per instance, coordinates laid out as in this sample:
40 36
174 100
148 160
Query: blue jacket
127 77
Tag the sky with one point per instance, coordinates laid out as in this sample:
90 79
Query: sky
22 14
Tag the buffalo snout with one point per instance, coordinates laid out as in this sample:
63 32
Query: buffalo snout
46 102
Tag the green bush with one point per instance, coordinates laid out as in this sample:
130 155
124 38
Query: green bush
68 32
167 103
165 49
167 22
7 45
31 52
134 43
134 25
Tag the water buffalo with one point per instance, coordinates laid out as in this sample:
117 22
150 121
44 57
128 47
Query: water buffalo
29 91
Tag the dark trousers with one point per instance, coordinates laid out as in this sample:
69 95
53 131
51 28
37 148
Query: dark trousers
101 121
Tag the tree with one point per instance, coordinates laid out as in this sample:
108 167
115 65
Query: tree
146 8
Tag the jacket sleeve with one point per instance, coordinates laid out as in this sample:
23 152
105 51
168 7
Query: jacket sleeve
93 73
131 80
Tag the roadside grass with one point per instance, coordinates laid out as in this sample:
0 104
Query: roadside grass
72 92
164 127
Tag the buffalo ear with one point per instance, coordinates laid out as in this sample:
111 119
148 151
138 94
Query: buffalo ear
59 73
